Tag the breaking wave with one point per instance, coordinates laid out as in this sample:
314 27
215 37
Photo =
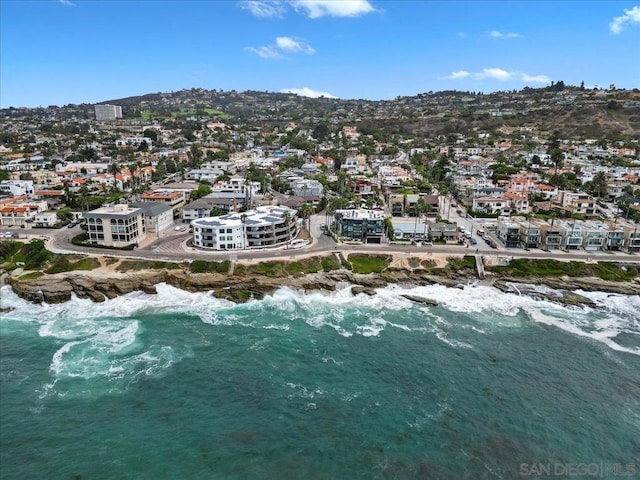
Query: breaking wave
102 341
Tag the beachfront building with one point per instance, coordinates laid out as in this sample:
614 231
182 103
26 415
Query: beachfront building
157 216
262 227
447 232
45 220
633 238
508 232
594 237
364 225
174 199
552 236
20 212
115 226
573 235
530 233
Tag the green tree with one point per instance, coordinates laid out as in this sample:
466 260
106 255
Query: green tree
321 132
114 169
305 211
152 134
555 152
599 185
88 154
195 156
202 190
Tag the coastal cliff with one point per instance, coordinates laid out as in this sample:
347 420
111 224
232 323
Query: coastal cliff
244 282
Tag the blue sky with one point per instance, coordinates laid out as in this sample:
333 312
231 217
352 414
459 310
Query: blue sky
55 52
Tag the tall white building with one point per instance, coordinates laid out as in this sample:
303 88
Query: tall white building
108 112
258 228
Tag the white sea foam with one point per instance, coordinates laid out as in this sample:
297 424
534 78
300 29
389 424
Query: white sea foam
100 339
482 309
303 392
168 300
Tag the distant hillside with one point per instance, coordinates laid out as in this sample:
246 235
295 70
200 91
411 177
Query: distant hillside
573 111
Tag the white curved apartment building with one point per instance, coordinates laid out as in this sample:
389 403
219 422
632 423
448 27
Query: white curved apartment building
258 228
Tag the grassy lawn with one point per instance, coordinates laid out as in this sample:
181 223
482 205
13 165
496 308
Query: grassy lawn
369 263
553 268
281 268
128 265
202 266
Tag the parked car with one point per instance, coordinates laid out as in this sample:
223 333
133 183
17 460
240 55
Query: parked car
473 241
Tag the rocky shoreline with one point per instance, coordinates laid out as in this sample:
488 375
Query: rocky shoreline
57 288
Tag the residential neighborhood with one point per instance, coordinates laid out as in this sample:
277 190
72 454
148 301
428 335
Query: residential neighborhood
225 168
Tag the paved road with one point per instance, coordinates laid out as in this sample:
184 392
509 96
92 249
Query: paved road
171 247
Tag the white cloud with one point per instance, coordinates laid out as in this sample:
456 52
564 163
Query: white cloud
265 52
535 78
504 36
67 3
456 75
498 74
631 15
310 8
332 8
282 46
307 92
495 73
264 9
292 45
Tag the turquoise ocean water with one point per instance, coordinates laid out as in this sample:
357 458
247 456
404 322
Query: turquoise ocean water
320 386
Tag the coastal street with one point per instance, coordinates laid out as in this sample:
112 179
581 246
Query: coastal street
174 247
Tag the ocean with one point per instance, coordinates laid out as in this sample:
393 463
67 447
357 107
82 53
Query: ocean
183 385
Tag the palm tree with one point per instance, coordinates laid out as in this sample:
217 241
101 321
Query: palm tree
420 208
305 212
599 184
243 219
114 169
555 153
286 216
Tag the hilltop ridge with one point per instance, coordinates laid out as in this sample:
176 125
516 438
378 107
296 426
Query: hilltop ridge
573 111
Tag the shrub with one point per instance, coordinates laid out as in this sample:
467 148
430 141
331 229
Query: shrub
63 264
8 249
329 264
33 254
